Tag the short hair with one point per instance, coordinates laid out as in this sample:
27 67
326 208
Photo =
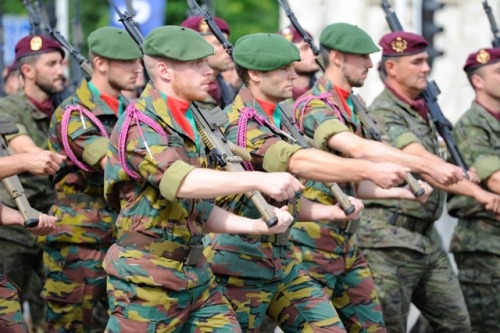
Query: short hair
324 52
242 73
29 59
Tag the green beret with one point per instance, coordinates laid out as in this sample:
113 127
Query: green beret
264 52
347 38
176 43
113 43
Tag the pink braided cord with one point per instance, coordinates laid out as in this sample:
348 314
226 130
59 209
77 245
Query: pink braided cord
64 132
133 113
306 99
241 140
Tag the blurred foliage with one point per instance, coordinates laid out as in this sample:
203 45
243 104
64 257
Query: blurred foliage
243 16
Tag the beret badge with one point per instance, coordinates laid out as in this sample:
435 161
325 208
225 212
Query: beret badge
35 43
483 57
287 33
399 44
203 27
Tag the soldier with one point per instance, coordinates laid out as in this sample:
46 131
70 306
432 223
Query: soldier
156 174
326 113
79 129
220 93
475 242
307 68
39 60
398 237
258 274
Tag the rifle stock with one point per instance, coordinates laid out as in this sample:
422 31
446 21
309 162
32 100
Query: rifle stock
430 94
214 139
13 184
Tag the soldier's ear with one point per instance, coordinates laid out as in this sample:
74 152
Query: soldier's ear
165 71
254 75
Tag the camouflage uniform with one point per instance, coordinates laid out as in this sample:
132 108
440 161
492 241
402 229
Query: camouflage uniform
11 317
21 255
260 274
476 240
151 287
400 242
327 251
74 252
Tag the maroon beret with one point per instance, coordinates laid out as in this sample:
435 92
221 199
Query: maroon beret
197 23
36 44
480 58
401 43
291 34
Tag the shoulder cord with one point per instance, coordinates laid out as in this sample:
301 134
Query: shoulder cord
133 113
308 98
64 132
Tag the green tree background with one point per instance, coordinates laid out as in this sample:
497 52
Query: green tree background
243 16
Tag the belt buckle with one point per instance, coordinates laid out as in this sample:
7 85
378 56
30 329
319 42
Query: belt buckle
194 255
352 226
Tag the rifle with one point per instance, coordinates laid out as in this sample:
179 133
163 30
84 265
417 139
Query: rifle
209 123
305 36
493 24
75 67
13 184
367 123
430 94
292 129
226 155
130 25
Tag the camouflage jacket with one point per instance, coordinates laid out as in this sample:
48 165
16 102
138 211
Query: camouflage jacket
400 126
321 114
38 189
84 217
477 134
242 255
149 205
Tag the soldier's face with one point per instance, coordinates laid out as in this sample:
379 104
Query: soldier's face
123 74
355 68
220 61
488 80
307 64
191 80
411 72
49 73
277 85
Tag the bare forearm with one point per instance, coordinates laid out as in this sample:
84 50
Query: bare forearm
12 165
369 190
24 144
205 183
221 221
318 165
9 216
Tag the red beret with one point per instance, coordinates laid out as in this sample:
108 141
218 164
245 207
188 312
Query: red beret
401 43
291 34
36 44
481 57
197 23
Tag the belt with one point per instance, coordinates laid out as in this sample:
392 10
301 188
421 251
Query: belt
349 227
410 223
188 254
277 239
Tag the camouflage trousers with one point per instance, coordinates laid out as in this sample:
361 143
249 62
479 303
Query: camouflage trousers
296 303
479 275
147 309
403 276
76 281
11 317
348 282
